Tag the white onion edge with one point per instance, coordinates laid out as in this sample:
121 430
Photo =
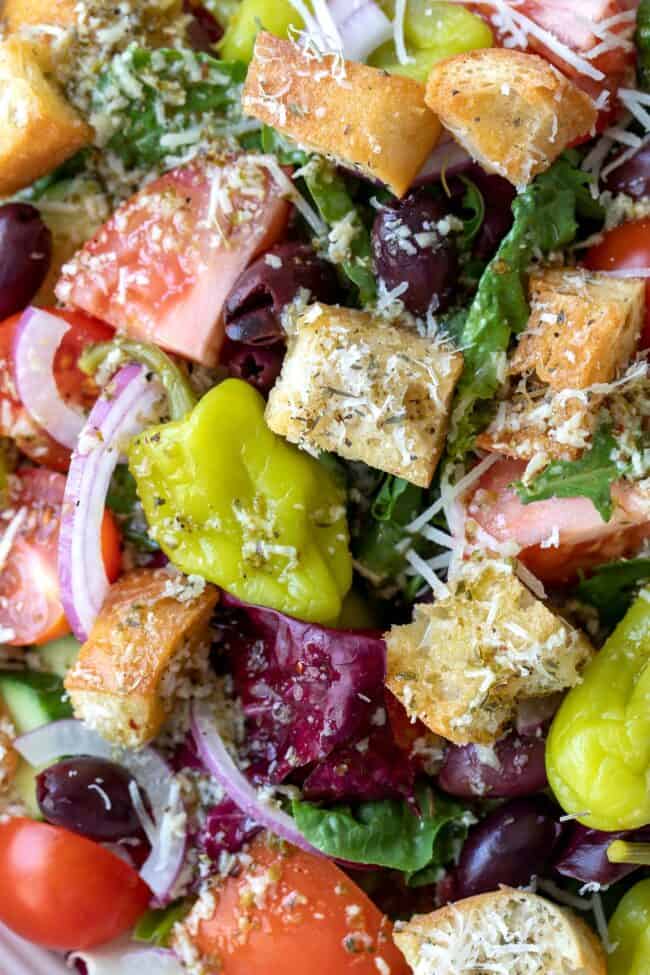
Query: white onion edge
126 957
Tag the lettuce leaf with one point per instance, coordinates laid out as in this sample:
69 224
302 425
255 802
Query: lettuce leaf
545 219
591 476
642 39
612 587
387 833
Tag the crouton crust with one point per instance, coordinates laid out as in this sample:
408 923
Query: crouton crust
466 660
367 390
144 638
513 112
358 115
38 128
458 938
17 14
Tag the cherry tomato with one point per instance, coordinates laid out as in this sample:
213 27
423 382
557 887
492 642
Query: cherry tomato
63 891
291 911
625 247
74 385
30 606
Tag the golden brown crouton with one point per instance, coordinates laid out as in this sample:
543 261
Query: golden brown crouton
367 390
18 14
505 930
466 660
583 327
8 755
357 115
38 128
149 636
513 112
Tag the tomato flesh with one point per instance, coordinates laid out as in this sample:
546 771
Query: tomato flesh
290 912
63 891
625 248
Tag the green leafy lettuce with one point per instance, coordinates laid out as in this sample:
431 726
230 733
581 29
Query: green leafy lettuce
474 203
642 39
154 927
387 832
395 505
545 219
154 104
612 588
122 499
591 476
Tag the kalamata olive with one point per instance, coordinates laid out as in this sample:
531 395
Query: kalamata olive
258 366
498 195
582 854
632 177
25 252
253 307
511 845
90 796
412 244
203 31
515 767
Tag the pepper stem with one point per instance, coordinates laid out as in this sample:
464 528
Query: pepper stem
621 852
180 394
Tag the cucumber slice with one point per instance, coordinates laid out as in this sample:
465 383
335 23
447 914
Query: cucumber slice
59 655
33 698
24 788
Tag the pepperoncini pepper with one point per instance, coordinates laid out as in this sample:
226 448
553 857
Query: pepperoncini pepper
249 18
629 932
598 749
227 499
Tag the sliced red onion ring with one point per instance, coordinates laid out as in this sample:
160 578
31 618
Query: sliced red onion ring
167 833
127 958
123 409
35 345
217 760
362 27
448 158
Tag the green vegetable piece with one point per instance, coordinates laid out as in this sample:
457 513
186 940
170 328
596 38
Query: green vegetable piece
334 203
227 499
155 926
386 832
396 505
24 787
123 500
612 587
598 749
287 151
591 476
59 655
252 16
642 39
474 202
33 698
545 218
180 394
433 31
629 932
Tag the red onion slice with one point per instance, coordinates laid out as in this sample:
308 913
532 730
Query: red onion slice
123 409
362 27
217 760
35 345
128 958
167 829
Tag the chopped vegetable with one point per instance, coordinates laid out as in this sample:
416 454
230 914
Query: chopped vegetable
613 586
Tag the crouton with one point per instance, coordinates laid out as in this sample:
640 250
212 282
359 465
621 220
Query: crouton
8 754
19 14
583 327
38 128
505 930
466 661
367 390
513 112
148 638
358 115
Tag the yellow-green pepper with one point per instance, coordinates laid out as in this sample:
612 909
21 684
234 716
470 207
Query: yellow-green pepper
249 18
629 932
432 31
227 499
598 749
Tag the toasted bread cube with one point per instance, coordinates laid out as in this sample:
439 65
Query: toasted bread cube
17 14
513 112
148 638
583 327
38 128
359 116
504 930
466 660
8 755
367 390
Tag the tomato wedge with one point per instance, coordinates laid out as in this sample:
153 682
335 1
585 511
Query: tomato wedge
290 912
625 248
560 536
63 891
30 606
74 386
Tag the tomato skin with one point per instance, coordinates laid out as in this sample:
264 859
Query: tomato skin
73 384
625 247
63 891
311 917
